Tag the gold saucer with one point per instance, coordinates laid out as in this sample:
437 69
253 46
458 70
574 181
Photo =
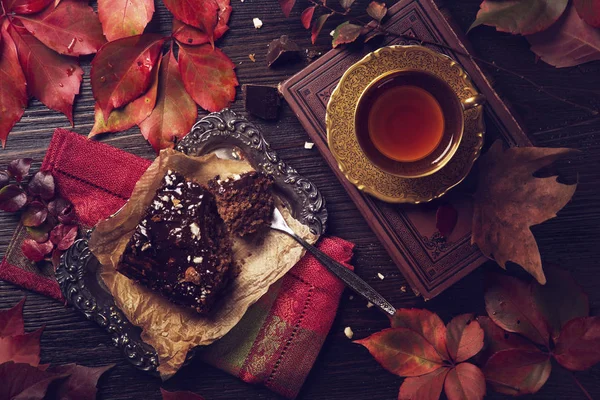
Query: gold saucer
344 145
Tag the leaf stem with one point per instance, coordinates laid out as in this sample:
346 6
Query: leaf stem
585 392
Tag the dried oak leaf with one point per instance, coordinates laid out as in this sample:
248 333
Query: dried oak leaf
81 382
12 198
52 78
132 114
286 6
175 111
589 11
122 70
19 168
578 346
197 13
25 6
123 18
23 348
517 371
317 26
567 43
187 34
22 381
208 76
71 28
377 10
345 33
446 218
11 320
509 200
306 16
35 214
42 184
520 17
35 251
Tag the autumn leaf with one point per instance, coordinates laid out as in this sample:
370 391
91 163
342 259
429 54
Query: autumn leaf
510 304
52 78
306 16
19 168
317 26
62 210
122 70
35 214
446 218
26 6
520 17
63 236
40 233
425 323
42 184
578 346
424 387
346 4
71 28
517 371
35 251
403 352
23 348
11 320
22 381
345 33
132 114
81 382
286 6
589 11
4 179
464 337
208 76
497 339
181 395
187 34
377 10
123 18
571 33
465 382
197 13
175 111
509 200
12 198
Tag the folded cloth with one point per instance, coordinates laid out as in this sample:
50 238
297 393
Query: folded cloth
277 341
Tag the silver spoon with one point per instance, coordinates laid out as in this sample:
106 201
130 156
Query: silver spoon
347 276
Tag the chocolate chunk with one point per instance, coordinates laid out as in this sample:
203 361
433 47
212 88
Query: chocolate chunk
261 100
281 50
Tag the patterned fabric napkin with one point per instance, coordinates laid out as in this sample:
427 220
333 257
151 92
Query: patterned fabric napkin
277 341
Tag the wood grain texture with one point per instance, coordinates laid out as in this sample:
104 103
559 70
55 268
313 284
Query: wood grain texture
343 370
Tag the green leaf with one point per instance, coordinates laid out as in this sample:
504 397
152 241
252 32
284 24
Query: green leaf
345 33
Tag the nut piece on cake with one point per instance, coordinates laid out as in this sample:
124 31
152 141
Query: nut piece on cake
245 202
181 247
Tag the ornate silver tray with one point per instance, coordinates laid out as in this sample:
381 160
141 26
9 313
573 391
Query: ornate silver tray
229 136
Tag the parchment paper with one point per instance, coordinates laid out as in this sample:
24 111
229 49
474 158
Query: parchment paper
173 330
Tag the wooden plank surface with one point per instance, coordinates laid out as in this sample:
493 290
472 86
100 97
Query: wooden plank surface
343 370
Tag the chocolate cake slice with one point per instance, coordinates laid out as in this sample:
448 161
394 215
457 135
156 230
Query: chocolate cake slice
181 247
245 202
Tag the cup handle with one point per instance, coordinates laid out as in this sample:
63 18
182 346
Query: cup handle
473 102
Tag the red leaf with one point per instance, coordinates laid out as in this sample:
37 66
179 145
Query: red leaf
464 337
510 304
34 215
426 324
197 13
179 395
517 371
286 6
11 320
12 198
26 6
122 70
21 348
175 111
13 91
465 382
560 300
4 177
317 26
193 36
42 184
19 168
123 18
445 219
22 381
589 11
63 236
35 251
567 43
497 339
51 78
377 10
345 33
306 16
63 210
424 387
81 383
39 233
130 115
402 352
72 28
208 76
520 17
578 346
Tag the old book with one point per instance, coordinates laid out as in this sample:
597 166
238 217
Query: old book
429 262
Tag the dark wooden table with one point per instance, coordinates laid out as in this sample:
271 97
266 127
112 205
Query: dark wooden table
343 370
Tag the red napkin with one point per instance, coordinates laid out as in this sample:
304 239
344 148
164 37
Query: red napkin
277 341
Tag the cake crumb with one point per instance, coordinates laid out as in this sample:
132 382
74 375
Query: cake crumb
308 145
403 289
348 332
369 304
380 275
252 57
351 297
332 33
257 23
